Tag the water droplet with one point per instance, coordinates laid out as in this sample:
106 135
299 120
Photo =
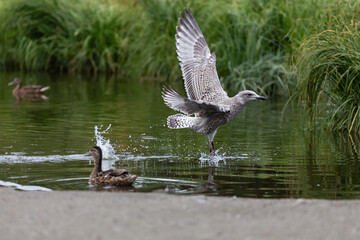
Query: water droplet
105 145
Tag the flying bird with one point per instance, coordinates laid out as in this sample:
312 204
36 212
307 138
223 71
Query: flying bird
207 106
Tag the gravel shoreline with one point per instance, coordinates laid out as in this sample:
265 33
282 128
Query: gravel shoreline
124 215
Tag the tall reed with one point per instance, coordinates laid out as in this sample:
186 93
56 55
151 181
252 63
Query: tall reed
64 35
330 74
253 40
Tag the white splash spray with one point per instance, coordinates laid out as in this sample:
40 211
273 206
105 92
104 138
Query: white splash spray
213 160
106 147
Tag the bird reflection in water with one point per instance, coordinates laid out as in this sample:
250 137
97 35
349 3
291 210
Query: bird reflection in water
112 188
210 186
207 187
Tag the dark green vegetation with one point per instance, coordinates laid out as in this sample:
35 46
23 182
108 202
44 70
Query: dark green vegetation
329 67
308 49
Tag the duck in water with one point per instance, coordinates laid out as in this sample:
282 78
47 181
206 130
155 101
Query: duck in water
206 99
31 92
114 177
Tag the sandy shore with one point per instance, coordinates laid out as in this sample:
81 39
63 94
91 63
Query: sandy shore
122 215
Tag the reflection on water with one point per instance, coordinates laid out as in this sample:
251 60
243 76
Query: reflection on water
112 188
261 154
22 187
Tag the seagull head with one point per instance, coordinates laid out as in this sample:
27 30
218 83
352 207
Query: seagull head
247 95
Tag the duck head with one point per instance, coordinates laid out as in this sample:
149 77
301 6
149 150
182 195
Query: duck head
16 81
96 153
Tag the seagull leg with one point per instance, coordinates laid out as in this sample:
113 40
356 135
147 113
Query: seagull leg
211 143
211 148
211 174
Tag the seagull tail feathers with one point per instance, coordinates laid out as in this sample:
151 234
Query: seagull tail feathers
179 121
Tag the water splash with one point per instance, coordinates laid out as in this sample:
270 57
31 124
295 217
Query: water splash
105 145
213 160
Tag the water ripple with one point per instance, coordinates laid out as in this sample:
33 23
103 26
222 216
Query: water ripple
18 158
23 187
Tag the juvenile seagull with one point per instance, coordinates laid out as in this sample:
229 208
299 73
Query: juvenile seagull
206 100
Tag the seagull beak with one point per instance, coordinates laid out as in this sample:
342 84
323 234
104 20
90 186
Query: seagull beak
261 98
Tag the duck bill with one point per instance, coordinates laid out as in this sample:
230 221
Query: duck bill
261 98
87 154
11 83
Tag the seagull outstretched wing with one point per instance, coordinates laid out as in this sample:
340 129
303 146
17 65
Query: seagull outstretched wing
189 106
197 64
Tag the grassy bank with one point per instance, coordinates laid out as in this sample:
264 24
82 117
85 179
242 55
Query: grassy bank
272 47
329 70
252 40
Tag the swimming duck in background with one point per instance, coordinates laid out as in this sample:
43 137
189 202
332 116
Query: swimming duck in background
114 177
31 92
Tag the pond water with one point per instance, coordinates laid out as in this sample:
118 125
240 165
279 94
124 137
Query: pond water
265 152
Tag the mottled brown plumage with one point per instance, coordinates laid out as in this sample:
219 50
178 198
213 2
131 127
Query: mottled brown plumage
114 177
31 92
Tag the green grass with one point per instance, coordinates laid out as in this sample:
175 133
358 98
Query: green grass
304 49
329 67
60 35
138 38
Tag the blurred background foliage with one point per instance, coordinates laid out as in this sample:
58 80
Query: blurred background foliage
303 50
